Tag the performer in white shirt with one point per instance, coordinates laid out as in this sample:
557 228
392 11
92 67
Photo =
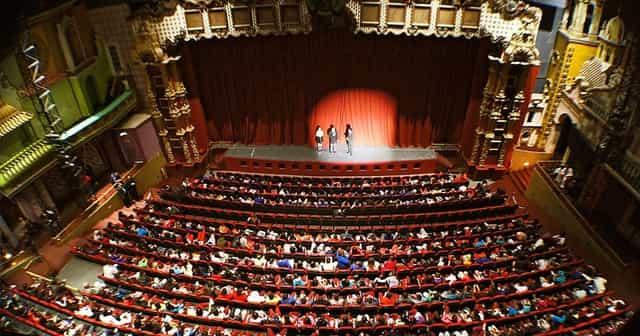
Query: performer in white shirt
319 138
333 138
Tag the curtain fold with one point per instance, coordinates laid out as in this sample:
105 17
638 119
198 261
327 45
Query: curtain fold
394 90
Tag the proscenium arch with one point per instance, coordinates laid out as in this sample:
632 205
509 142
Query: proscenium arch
510 23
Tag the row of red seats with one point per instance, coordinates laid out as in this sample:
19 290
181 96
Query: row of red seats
497 279
360 256
133 254
494 215
234 301
229 236
131 251
468 201
467 212
452 189
89 320
29 323
336 182
310 329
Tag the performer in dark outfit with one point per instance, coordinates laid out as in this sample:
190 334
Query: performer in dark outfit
319 138
348 137
333 138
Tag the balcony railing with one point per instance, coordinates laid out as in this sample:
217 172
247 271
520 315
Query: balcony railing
544 169
11 119
598 107
100 121
22 161
630 170
31 157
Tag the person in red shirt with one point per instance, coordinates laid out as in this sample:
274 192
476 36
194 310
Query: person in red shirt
189 238
389 265
201 236
388 299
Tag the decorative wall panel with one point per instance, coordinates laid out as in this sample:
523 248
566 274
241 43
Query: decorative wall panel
447 16
421 16
241 17
370 14
470 19
290 14
265 15
194 20
218 18
396 15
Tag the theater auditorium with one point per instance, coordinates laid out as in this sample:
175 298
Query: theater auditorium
319 167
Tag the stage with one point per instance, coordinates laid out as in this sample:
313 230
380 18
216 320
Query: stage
304 160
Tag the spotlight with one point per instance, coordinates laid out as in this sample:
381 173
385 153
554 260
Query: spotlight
123 134
8 256
526 164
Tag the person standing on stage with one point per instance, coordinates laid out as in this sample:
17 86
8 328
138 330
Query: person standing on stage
333 138
319 138
348 137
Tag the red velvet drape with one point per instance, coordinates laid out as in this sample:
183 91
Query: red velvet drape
371 113
273 90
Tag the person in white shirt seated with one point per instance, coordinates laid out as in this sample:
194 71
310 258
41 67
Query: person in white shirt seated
544 283
188 270
219 257
542 264
600 283
85 311
260 261
579 293
520 288
328 265
392 281
422 234
97 286
255 297
109 271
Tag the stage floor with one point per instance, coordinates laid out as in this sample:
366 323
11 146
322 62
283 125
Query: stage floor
308 154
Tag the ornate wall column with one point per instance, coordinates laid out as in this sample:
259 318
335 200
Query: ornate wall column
481 131
565 17
504 97
579 16
158 122
168 100
500 116
596 18
610 151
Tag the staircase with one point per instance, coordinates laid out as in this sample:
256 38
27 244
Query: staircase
45 106
521 178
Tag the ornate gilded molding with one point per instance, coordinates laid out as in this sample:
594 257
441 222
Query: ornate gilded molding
611 147
509 22
509 9
154 8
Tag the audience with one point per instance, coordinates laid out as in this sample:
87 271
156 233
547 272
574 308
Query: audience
164 273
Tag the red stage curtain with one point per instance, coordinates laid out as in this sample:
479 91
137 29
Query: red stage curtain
274 90
371 113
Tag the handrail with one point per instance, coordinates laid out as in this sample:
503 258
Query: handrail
23 160
99 200
95 118
576 213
